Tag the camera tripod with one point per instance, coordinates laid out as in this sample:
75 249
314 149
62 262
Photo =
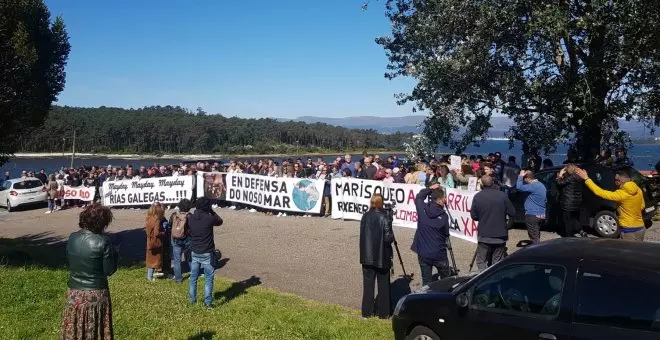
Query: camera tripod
453 224
389 209
474 256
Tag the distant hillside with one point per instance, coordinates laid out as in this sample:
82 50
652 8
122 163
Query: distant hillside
411 124
380 124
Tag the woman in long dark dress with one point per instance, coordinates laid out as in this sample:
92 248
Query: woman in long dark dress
92 258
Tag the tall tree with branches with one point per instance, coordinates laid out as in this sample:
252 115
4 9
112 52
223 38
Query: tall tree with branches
559 69
33 54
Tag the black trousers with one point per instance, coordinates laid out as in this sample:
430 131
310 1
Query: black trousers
571 221
533 224
426 267
489 254
370 275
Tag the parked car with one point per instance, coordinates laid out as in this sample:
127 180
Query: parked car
22 191
596 213
572 288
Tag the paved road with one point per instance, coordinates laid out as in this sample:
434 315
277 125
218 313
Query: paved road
316 258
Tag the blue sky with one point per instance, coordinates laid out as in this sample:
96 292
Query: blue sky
246 58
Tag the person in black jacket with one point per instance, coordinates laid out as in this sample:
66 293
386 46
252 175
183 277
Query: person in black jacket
430 242
201 225
490 207
376 239
570 199
360 172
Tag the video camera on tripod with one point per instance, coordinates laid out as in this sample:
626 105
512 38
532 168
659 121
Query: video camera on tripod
390 212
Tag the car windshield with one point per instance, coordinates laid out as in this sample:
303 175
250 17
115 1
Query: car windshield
27 185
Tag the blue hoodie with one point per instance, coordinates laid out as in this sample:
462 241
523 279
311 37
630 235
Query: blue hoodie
430 241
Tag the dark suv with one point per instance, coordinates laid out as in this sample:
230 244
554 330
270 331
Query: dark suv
571 288
596 212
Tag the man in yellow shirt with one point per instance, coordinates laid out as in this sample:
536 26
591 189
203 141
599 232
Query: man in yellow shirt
630 203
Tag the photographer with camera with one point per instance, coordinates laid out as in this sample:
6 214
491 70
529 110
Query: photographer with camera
430 242
376 239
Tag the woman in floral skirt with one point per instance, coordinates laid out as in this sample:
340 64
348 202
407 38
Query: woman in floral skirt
92 258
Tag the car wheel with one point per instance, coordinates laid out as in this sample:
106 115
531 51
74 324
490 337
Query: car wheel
9 207
422 333
606 224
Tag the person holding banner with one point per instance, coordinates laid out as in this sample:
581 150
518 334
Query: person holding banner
430 242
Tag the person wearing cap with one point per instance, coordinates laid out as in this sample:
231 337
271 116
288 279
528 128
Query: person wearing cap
430 242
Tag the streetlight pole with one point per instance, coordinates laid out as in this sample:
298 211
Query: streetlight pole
73 154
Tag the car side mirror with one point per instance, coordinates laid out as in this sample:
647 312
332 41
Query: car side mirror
462 300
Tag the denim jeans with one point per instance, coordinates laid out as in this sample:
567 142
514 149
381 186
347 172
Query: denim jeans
51 204
179 247
150 274
204 261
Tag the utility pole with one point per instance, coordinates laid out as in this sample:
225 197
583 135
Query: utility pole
73 154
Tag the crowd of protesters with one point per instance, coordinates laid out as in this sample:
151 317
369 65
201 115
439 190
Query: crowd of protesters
368 166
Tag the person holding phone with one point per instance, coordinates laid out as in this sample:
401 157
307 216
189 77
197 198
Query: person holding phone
201 224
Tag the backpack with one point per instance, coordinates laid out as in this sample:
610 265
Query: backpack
179 226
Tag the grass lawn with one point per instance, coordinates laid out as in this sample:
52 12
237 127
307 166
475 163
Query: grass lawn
32 299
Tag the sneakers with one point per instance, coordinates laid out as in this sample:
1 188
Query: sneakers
208 307
279 214
253 210
233 207
48 212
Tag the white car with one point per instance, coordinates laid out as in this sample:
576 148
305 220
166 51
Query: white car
22 191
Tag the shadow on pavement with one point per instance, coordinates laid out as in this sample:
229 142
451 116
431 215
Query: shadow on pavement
398 289
40 249
237 289
46 250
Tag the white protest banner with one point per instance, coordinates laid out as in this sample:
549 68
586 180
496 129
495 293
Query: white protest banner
145 191
284 194
211 185
454 162
77 193
459 205
351 196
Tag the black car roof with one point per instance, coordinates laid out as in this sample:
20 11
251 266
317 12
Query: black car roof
626 253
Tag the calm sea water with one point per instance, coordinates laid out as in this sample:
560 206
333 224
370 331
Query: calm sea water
644 156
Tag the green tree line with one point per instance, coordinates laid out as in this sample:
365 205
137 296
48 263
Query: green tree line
168 129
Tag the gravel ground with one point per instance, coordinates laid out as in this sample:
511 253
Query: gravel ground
317 258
